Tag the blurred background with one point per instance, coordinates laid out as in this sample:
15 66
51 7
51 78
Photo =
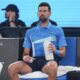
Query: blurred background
65 12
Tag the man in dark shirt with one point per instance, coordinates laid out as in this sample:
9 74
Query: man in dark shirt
11 27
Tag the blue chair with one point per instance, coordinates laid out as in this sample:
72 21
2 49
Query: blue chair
69 59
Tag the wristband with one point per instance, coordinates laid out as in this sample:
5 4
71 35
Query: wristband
57 52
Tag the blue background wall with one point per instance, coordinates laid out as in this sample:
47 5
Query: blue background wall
65 12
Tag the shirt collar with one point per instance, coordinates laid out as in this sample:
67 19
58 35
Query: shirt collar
47 27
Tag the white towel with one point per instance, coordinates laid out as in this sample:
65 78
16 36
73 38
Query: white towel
62 70
1 66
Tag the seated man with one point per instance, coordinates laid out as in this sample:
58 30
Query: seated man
12 21
35 39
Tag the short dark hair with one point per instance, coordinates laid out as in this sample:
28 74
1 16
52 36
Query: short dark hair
45 4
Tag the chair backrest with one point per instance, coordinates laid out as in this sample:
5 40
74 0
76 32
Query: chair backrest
70 57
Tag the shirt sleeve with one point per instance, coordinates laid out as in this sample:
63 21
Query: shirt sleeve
27 41
61 38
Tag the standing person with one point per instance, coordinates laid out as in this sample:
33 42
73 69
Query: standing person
34 39
12 21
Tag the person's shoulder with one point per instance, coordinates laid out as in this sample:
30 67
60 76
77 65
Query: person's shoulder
32 29
4 23
20 22
53 22
57 27
34 24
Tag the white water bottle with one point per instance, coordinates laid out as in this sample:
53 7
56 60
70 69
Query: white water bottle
48 53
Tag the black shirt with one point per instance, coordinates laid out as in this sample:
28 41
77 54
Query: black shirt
9 32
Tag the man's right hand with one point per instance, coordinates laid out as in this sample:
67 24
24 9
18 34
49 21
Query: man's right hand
12 16
27 58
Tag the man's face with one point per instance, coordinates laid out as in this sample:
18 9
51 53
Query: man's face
43 13
8 14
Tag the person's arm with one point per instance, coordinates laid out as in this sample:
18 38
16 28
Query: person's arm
61 44
26 56
12 19
59 52
26 51
62 51
27 46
